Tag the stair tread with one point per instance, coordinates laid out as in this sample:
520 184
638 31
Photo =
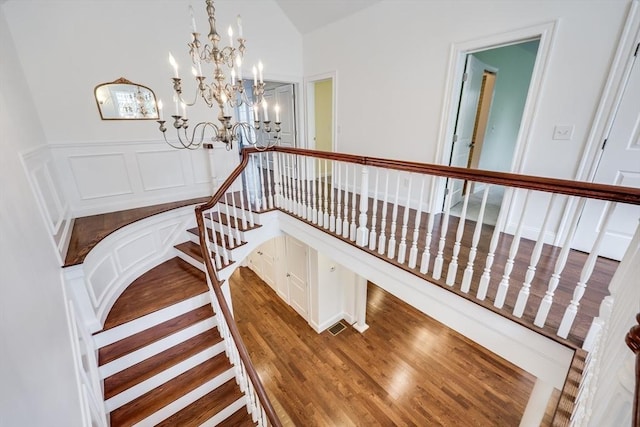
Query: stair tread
134 342
240 418
156 399
193 250
146 369
225 221
166 284
219 237
208 406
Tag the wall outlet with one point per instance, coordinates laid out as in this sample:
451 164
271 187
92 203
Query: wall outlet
562 132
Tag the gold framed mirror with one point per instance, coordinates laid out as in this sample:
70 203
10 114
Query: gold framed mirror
122 99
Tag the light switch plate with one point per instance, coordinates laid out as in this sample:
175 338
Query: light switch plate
562 132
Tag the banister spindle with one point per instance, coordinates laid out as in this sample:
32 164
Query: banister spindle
363 233
352 225
332 214
523 295
236 227
572 310
495 237
314 191
391 250
229 221
263 206
287 171
223 240
413 252
309 187
503 287
444 227
299 203
561 261
214 241
247 177
426 254
269 173
321 196
468 271
345 216
325 220
276 179
256 184
632 339
402 247
382 240
452 271
339 204
243 213
303 187
373 236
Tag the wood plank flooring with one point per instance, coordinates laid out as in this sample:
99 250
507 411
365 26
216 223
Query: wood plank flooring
89 230
406 369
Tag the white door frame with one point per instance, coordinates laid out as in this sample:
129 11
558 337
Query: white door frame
309 83
458 52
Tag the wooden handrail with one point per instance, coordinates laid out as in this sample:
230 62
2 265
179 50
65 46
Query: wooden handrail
633 341
591 190
226 312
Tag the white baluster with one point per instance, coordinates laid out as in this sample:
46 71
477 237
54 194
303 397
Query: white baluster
413 252
547 300
264 194
523 295
235 218
325 221
223 241
243 213
468 271
437 265
495 237
303 188
345 216
321 196
402 247
294 185
382 240
289 189
426 254
248 193
277 179
214 241
339 204
229 222
391 250
352 226
299 202
572 310
503 287
308 187
332 215
256 185
314 190
269 173
373 236
363 233
452 271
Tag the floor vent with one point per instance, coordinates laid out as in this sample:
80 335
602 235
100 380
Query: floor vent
337 328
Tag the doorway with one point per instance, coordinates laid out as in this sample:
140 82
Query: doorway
321 112
492 100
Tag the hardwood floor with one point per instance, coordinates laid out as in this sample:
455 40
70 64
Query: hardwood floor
406 369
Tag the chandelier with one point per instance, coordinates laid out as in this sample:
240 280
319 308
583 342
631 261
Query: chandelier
226 94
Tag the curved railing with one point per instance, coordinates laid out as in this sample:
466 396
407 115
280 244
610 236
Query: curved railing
333 191
633 341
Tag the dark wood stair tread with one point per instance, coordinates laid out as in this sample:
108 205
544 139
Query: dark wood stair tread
172 390
166 284
146 369
193 250
215 216
240 418
134 342
219 237
207 406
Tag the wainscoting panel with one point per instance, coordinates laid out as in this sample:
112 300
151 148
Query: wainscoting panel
100 278
160 169
89 173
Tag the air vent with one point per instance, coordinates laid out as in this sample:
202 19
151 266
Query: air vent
337 328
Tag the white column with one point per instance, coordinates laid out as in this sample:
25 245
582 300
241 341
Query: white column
363 233
537 404
361 304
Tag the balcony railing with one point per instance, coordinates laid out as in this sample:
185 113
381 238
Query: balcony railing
437 222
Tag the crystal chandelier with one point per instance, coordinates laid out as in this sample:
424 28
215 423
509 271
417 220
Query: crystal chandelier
220 92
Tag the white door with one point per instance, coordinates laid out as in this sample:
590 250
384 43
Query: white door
465 123
268 255
297 276
285 98
619 165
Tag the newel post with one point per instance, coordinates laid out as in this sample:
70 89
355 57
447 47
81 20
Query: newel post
362 238
633 341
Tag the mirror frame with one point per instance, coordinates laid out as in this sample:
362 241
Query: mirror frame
123 81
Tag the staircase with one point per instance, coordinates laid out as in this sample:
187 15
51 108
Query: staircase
162 358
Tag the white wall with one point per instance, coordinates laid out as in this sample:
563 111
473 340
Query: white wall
67 47
391 62
36 362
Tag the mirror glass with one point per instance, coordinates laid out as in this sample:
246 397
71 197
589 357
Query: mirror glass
125 100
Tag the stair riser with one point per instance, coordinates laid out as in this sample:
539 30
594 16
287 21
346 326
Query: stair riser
161 378
140 324
196 239
256 215
186 400
139 355
194 262
225 413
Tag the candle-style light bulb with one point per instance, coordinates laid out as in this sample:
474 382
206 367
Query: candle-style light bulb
233 77
230 32
177 103
255 113
193 20
160 109
194 71
174 64
224 104
184 110
265 110
277 110
239 22
260 68
255 76
239 67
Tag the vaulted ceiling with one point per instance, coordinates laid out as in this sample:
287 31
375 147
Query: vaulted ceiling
309 15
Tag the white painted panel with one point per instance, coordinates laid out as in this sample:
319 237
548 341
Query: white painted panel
199 163
103 275
89 172
48 198
160 169
297 274
135 251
